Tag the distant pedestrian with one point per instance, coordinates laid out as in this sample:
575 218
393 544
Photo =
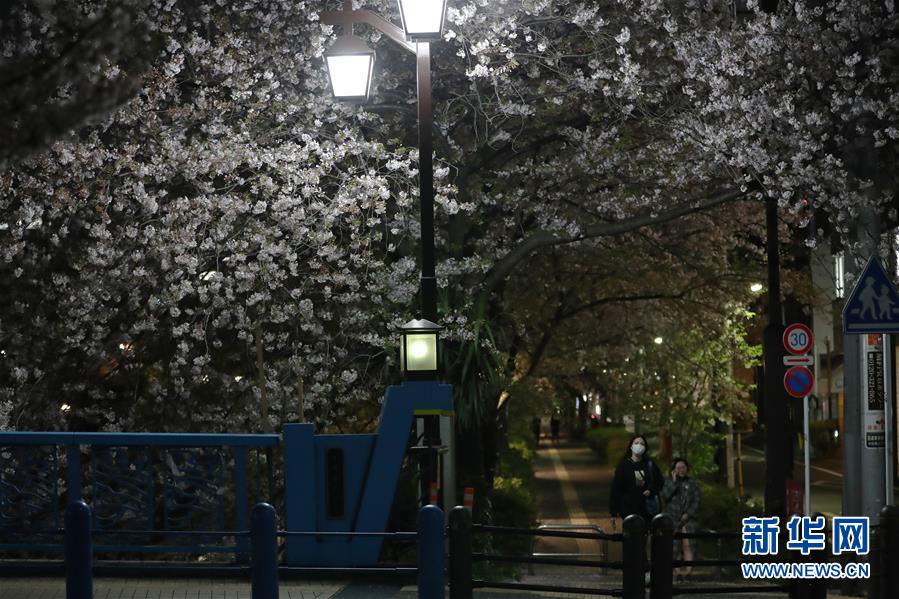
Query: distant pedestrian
637 482
554 428
535 428
681 496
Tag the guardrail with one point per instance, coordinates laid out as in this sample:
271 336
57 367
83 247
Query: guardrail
264 568
462 583
604 543
883 582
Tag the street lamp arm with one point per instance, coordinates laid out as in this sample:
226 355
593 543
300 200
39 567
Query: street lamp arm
347 18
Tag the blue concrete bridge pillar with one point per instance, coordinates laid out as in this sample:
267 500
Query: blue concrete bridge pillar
346 483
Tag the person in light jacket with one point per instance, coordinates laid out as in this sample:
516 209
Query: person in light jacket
681 496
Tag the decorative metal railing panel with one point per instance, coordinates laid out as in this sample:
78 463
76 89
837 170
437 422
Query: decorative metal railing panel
124 488
29 488
194 489
149 492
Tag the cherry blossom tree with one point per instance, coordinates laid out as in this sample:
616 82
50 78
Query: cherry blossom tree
220 245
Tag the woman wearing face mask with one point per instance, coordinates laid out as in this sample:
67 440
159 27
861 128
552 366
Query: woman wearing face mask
681 497
637 482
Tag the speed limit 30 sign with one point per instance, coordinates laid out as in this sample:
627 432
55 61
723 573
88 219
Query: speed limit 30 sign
798 339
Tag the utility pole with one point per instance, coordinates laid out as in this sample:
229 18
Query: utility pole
864 492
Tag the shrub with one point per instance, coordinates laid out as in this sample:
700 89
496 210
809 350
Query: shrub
516 461
615 449
821 436
609 443
721 509
511 503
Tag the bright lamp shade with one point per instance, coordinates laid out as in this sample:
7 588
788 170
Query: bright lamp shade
422 19
418 348
350 64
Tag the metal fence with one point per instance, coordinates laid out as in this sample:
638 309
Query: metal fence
661 564
150 493
264 566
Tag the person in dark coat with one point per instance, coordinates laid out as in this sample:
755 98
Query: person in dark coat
637 482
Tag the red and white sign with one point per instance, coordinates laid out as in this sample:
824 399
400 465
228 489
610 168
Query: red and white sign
798 339
799 361
798 381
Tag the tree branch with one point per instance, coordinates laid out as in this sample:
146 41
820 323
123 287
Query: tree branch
540 239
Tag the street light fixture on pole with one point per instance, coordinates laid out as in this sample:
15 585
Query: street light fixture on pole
350 63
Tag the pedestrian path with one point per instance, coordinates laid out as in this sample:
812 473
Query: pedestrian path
130 588
573 488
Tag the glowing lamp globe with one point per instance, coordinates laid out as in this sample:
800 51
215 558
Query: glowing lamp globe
418 349
350 64
422 19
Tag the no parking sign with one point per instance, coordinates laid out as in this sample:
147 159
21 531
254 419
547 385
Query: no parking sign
799 380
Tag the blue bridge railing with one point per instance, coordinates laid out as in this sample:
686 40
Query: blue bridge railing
149 492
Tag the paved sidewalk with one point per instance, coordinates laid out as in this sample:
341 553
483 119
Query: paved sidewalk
124 588
573 488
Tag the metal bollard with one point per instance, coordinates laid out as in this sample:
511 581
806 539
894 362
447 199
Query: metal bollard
634 550
874 563
460 553
264 551
79 567
431 552
661 555
889 550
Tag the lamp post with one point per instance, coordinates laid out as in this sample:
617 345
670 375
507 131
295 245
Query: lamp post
350 63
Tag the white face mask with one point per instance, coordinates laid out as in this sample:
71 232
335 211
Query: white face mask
638 448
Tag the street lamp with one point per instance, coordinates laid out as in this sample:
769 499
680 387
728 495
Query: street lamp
422 21
350 63
418 349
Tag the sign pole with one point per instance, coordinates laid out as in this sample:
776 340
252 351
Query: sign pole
798 381
873 491
888 395
872 313
808 463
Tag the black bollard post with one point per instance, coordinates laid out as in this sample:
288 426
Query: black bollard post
889 550
634 550
79 567
874 563
264 551
661 555
460 553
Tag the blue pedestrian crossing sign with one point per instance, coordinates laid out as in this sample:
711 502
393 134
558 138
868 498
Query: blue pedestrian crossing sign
873 306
